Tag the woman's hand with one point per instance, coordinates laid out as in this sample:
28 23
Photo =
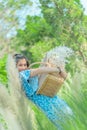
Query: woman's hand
63 74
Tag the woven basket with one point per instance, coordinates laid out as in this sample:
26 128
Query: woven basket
49 84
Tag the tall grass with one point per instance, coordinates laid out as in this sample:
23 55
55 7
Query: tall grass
14 106
75 93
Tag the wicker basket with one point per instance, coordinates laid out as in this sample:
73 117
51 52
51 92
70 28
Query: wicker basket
49 84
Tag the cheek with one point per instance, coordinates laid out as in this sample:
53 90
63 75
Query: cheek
19 68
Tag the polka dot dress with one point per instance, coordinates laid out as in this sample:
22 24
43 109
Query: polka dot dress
54 107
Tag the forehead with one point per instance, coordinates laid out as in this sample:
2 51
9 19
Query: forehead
22 61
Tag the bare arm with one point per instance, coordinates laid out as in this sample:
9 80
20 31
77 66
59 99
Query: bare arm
44 70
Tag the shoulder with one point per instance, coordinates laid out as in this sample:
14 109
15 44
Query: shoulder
25 74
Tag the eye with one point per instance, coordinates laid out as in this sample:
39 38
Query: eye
20 65
25 64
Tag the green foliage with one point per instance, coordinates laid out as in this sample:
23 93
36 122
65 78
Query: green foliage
14 4
61 23
3 73
17 3
36 29
37 34
40 48
10 20
66 19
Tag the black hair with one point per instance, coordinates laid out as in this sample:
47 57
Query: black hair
18 57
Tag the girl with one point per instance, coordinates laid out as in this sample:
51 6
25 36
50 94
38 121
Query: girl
55 108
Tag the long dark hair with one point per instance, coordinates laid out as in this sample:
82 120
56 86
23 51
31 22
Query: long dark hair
18 57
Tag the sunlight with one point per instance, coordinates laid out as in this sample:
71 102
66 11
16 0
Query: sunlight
84 3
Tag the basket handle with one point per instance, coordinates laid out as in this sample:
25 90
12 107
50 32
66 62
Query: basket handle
44 63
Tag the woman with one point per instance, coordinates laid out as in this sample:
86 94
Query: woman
54 107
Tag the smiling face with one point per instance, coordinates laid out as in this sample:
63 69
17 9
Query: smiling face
22 65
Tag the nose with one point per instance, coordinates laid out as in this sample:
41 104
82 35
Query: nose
23 67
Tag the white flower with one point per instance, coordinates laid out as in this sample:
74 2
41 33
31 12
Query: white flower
59 55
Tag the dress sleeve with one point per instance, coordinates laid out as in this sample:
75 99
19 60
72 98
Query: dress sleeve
25 75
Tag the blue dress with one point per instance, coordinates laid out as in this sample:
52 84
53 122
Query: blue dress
54 107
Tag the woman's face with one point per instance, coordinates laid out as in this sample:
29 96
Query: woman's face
22 65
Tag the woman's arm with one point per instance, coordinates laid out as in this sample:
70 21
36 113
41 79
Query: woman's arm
44 70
